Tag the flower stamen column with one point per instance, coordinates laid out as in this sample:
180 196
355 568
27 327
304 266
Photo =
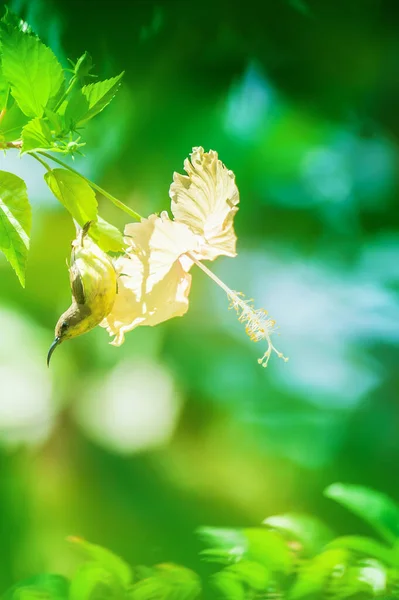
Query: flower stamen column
258 326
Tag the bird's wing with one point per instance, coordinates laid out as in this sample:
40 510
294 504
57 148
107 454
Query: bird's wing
77 286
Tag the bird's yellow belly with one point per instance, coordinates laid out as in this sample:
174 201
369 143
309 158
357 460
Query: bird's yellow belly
99 285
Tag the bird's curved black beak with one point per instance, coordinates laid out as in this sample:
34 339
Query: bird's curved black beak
52 348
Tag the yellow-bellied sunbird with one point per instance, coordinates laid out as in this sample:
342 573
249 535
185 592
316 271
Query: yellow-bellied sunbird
93 285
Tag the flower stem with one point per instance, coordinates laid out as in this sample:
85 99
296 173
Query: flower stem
96 187
36 157
65 94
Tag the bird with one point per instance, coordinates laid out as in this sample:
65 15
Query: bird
93 283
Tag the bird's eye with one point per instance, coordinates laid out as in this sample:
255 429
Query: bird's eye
64 325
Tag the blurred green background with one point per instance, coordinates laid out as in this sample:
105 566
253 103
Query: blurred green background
133 448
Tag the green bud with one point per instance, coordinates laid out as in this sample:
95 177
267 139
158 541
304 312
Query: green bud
83 66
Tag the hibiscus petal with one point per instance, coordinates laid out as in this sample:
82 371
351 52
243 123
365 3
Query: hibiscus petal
206 201
153 284
168 299
158 243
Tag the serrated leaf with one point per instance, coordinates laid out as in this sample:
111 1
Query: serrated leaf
36 135
74 193
15 222
375 508
269 549
106 559
11 123
108 237
32 70
87 102
93 581
100 94
306 529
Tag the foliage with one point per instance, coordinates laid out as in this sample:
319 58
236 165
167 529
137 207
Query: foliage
44 108
320 184
15 222
152 280
290 557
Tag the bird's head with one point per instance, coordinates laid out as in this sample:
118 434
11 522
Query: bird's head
69 325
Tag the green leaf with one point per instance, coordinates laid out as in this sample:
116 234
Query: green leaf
4 88
223 538
269 549
11 20
218 556
87 102
56 121
183 583
309 531
228 586
365 546
32 70
80 200
373 507
108 237
106 559
15 222
36 135
28 593
74 193
150 588
226 545
361 581
83 67
253 574
167 582
94 582
372 576
11 123
315 574
255 544
40 587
